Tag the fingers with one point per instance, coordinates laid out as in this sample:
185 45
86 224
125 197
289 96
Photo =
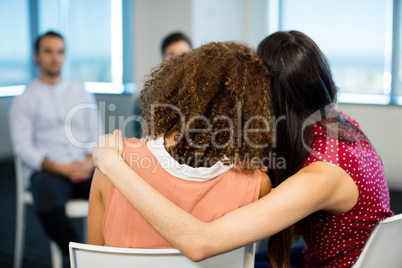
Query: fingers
114 141
109 144
117 132
110 140
119 140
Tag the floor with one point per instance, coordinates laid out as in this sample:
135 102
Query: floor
36 248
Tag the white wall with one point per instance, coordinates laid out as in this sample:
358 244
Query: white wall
383 126
218 20
224 20
154 19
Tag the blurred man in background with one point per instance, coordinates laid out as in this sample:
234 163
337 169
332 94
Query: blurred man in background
175 44
53 150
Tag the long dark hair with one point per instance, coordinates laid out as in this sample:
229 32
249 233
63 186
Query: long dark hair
302 86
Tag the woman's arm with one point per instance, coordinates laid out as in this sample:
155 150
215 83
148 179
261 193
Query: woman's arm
97 203
315 187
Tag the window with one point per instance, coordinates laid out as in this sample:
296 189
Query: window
397 79
356 37
93 33
15 47
89 40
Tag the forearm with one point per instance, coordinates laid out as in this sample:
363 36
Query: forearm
49 165
53 167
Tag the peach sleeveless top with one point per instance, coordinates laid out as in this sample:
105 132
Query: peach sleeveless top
206 193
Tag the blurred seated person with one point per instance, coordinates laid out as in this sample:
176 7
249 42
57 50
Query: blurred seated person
175 44
56 154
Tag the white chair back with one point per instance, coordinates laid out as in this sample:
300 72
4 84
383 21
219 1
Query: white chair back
88 256
22 182
384 246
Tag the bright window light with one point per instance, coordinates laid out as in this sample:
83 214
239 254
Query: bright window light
117 41
12 90
364 98
358 46
105 88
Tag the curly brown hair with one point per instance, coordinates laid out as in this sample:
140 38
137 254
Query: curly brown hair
218 99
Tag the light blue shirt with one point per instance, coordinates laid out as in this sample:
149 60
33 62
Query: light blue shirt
58 121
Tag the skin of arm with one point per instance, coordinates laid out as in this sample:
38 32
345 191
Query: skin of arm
319 186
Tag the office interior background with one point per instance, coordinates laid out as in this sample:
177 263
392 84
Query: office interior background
111 45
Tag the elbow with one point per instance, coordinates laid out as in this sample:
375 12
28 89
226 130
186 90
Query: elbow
197 244
197 255
198 251
197 259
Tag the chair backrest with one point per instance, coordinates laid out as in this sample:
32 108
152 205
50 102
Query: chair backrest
21 182
384 246
88 256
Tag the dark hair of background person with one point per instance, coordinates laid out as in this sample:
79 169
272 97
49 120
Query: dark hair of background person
302 85
173 38
47 34
210 82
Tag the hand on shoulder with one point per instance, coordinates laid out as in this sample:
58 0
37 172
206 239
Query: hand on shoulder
109 148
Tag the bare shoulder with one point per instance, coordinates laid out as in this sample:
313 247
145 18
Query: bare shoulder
337 186
326 173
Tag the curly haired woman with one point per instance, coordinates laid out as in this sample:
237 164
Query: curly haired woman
207 124
333 188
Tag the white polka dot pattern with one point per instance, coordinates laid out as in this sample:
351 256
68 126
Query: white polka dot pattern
336 240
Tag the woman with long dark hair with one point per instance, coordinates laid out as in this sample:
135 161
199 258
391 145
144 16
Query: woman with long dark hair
304 94
332 188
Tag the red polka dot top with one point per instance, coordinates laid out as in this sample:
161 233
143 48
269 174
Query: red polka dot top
336 240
